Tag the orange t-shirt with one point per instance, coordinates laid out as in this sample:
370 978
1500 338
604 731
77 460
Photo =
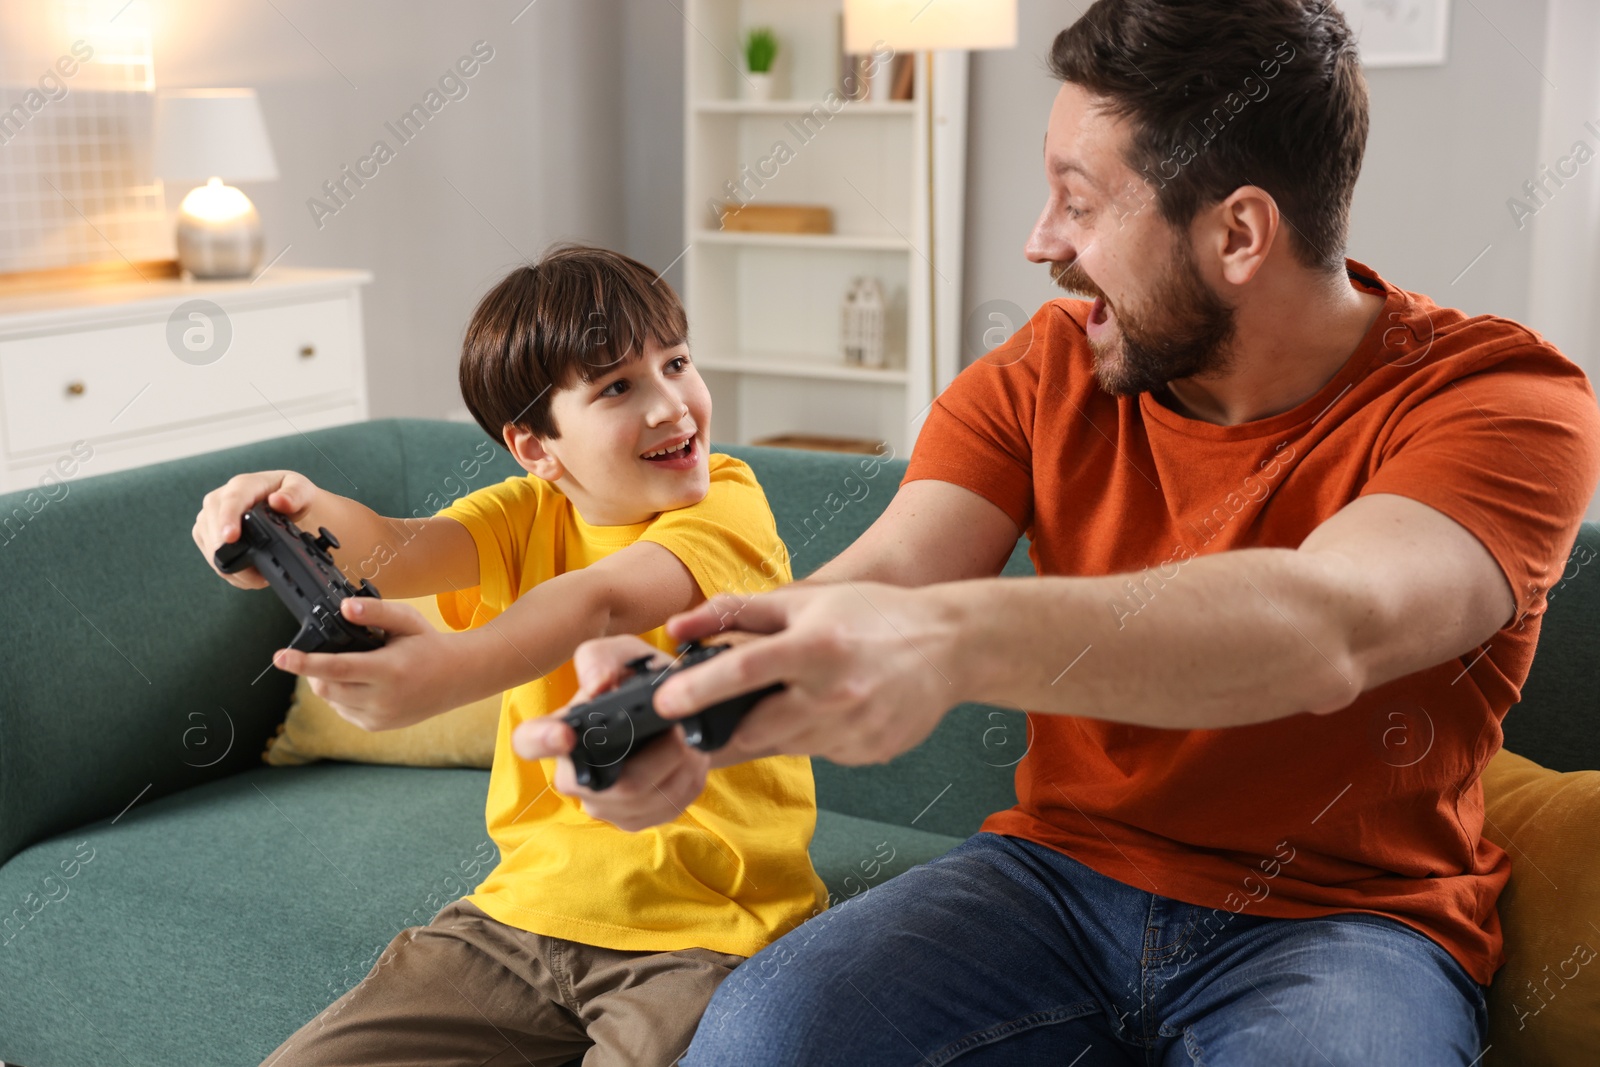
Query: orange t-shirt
1376 807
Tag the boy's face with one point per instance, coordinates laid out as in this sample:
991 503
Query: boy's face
609 426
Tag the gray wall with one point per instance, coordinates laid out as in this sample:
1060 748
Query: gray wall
1448 145
575 131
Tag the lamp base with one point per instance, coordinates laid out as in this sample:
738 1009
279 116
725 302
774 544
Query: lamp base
225 247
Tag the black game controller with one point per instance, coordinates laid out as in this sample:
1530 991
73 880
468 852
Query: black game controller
621 721
303 574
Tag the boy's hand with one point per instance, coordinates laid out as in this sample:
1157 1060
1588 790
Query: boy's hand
218 521
420 672
656 785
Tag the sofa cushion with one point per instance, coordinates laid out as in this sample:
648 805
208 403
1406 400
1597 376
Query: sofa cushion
282 883
460 737
1544 1006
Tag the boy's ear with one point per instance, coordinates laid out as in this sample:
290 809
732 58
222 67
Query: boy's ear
530 452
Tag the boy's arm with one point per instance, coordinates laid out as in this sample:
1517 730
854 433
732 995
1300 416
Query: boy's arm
403 557
631 591
420 672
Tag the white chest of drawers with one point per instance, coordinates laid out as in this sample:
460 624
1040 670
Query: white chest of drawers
99 380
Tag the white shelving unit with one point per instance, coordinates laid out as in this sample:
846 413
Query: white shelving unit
764 309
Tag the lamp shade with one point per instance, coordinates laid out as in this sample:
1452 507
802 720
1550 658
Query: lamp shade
926 25
205 133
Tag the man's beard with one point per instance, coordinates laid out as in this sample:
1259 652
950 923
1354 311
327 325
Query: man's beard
1183 331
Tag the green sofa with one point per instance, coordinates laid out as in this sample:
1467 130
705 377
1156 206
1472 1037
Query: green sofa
168 899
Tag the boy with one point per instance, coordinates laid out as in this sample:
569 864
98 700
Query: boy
584 934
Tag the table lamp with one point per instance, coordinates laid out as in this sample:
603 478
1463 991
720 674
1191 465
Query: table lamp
209 135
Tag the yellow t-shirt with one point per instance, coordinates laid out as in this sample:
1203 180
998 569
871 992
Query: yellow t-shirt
732 873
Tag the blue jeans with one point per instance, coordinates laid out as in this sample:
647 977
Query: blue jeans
1003 951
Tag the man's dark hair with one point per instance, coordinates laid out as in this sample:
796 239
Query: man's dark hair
569 318
1225 93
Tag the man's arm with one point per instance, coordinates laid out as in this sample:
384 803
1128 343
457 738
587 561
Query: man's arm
932 531
1386 587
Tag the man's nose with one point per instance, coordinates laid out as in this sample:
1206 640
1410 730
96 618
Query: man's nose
1047 243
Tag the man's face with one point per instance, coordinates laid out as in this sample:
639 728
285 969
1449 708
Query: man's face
631 411
1154 318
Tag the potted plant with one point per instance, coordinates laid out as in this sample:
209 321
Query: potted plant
760 49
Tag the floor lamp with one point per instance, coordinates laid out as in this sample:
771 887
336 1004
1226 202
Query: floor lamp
950 28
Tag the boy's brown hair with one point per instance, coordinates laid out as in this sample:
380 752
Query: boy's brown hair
571 317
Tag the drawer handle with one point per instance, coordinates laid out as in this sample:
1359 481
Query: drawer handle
75 388
307 351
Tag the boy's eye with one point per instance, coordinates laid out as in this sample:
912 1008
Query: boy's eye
620 385
678 363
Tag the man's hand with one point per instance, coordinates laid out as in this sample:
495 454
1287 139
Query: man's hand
420 672
656 784
870 670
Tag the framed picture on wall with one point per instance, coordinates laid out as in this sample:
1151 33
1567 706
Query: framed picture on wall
1399 33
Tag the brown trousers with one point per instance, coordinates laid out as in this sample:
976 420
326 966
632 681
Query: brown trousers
468 990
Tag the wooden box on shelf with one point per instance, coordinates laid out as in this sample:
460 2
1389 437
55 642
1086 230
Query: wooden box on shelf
777 218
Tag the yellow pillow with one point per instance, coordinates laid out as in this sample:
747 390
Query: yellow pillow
1544 1005
462 737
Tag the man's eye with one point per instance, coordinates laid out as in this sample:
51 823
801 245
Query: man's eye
1075 212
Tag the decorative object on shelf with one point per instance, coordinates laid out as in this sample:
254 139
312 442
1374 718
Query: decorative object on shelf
777 218
865 75
902 81
861 325
760 49
211 134
75 175
819 442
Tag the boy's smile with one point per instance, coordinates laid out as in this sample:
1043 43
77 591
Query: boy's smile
633 440
679 453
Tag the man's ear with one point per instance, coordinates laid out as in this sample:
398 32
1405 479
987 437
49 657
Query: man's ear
1242 231
530 452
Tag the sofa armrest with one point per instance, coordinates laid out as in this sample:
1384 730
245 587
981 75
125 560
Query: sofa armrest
129 669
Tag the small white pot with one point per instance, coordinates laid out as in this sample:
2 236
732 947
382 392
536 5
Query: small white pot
758 86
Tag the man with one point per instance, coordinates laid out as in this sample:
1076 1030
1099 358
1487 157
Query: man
1294 528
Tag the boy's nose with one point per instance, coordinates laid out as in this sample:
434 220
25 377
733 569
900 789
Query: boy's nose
668 406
